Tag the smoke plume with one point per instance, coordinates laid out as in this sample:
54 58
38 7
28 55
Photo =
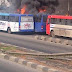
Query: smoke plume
36 6
39 6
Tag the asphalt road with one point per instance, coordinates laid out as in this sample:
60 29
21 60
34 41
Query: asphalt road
29 42
7 66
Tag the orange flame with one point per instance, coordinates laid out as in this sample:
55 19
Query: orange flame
18 10
42 10
23 10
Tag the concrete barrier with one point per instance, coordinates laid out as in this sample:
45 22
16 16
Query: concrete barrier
50 39
37 37
20 61
12 58
2 55
70 42
65 42
33 65
55 40
43 38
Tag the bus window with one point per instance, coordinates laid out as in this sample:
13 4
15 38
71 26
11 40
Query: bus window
70 22
7 18
60 20
44 18
3 18
11 18
56 21
26 19
0 17
14 18
66 21
38 18
53 20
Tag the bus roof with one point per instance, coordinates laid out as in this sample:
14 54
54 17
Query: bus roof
60 16
21 15
4 14
8 14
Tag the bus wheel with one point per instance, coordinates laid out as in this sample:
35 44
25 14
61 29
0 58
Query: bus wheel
9 30
52 34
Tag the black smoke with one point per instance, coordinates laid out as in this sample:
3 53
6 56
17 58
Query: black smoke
34 6
52 6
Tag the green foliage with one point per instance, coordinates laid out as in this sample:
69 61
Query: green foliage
7 48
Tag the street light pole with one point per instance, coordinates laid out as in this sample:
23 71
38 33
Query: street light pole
68 7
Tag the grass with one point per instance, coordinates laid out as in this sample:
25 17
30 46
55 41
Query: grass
7 48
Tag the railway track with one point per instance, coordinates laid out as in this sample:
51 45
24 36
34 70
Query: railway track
60 56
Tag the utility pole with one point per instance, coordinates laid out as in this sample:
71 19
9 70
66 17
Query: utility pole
68 7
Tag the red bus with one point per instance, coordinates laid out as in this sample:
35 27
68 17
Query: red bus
59 25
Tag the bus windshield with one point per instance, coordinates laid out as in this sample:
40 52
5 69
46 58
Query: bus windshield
26 19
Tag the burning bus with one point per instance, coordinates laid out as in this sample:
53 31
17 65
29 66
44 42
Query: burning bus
16 22
40 23
39 9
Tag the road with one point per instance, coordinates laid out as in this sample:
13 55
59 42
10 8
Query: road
7 66
29 42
